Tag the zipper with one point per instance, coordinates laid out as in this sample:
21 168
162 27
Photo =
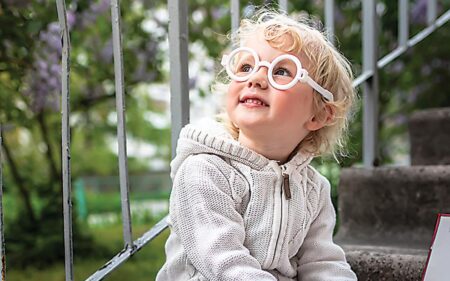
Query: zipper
280 226
284 188
285 183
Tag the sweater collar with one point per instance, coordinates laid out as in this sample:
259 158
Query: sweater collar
211 137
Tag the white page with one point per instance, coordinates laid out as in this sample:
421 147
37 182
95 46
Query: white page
439 262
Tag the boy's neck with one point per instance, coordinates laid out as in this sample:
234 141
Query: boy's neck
272 147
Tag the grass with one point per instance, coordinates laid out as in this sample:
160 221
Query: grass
144 265
111 202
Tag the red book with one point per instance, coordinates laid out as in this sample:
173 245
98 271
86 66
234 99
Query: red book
438 262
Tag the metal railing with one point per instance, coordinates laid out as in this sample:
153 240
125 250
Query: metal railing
178 40
2 239
369 76
65 138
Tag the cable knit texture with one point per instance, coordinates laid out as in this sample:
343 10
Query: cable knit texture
231 219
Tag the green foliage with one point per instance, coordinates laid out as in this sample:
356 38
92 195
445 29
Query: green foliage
39 237
29 89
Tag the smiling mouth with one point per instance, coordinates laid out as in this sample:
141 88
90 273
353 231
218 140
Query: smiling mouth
253 102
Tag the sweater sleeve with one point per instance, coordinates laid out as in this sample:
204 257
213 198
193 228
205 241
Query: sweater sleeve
211 230
319 257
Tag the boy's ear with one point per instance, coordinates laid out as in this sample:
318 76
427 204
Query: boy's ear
322 118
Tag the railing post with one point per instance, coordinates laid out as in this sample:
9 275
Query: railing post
370 87
65 138
235 15
179 74
329 19
431 11
121 131
2 237
283 5
403 23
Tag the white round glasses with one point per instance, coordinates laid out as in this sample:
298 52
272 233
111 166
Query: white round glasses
283 72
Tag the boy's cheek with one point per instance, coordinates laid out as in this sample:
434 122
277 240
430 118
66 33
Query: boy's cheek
233 92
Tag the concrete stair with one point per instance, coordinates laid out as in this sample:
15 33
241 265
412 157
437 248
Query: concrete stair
388 214
430 137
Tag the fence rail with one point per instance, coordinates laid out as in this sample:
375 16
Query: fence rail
65 138
121 131
127 252
2 239
178 42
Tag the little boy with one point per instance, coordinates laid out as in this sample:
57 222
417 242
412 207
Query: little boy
246 204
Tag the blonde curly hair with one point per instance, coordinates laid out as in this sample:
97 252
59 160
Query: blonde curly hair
326 65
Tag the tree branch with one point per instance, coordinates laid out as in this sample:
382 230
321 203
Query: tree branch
24 192
55 174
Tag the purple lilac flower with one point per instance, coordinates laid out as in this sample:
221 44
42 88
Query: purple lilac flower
415 93
218 13
90 15
400 119
71 19
44 79
106 53
51 37
100 7
145 58
419 11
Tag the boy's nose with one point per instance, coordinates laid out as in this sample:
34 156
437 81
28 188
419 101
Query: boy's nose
258 79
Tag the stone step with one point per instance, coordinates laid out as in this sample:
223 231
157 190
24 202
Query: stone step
386 263
392 206
429 132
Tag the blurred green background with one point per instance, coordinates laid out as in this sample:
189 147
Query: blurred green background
30 50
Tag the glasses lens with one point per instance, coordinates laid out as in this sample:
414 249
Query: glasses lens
242 63
284 71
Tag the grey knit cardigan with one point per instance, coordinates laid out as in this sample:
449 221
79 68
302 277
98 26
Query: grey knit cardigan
236 215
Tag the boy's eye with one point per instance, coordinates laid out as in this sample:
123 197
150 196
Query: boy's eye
246 68
282 72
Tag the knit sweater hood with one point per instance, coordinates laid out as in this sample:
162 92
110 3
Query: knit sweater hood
212 137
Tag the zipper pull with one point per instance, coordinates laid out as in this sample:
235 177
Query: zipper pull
287 189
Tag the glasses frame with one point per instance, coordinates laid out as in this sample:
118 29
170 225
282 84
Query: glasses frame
301 76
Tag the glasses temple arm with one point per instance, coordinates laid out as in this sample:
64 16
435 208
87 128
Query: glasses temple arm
325 93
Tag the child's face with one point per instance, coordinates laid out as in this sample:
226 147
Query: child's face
259 109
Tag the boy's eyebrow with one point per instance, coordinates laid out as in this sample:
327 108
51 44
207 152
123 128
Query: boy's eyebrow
245 56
